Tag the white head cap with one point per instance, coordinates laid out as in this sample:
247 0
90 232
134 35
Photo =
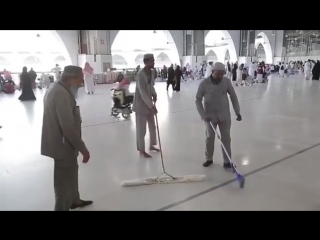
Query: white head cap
218 66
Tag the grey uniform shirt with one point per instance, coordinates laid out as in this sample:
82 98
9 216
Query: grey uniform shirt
142 102
216 102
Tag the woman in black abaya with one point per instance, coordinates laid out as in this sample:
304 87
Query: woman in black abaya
316 71
234 71
26 86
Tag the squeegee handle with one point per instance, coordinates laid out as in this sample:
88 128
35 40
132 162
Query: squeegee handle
222 145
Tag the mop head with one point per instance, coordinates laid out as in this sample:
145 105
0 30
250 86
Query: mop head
164 180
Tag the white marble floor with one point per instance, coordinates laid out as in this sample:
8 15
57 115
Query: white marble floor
277 145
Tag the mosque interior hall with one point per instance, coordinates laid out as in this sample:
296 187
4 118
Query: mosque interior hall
75 106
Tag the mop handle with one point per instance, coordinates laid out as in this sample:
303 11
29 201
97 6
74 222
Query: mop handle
161 155
225 150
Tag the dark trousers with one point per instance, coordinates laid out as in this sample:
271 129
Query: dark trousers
224 128
177 87
66 184
170 83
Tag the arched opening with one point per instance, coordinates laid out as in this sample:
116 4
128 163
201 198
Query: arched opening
211 56
32 48
139 60
119 61
263 47
220 41
163 59
133 44
260 53
4 61
31 60
60 60
227 57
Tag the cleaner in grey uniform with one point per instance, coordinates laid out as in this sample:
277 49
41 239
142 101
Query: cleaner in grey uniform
216 109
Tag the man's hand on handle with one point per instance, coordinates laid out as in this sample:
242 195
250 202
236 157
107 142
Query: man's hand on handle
154 110
207 119
239 118
86 156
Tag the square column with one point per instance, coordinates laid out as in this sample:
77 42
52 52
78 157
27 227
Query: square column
95 44
194 47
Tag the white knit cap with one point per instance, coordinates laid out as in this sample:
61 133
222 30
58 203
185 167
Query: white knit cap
218 66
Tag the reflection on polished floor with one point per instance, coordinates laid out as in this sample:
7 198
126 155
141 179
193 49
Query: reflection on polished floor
277 144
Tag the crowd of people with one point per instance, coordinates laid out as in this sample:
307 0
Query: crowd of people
28 81
243 74
61 132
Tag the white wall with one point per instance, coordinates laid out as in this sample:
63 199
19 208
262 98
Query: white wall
70 40
177 38
271 38
235 39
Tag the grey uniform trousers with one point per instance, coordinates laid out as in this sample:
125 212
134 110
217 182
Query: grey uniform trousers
66 184
141 128
224 128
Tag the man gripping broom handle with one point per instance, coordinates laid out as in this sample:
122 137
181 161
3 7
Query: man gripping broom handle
143 106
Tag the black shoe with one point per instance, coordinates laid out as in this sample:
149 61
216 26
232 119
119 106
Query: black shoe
207 163
81 205
227 165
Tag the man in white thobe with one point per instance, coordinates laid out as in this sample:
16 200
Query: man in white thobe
252 69
307 69
144 106
209 70
56 71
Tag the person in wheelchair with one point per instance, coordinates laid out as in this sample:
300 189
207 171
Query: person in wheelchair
122 99
124 85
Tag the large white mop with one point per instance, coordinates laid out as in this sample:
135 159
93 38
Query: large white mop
164 178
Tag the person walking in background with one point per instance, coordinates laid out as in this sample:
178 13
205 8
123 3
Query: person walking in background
234 71
229 72
239 74
170 80
45 81
61 138
6 75
209 70
26 86
33 75
316 71
144 106
178 75
165 72
252 69
88 78
217 111
307 69
56 71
